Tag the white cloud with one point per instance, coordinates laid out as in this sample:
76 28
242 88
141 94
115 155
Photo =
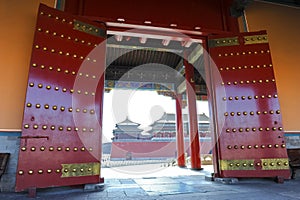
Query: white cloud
142 107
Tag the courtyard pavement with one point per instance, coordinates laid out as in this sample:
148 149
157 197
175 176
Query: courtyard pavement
157 182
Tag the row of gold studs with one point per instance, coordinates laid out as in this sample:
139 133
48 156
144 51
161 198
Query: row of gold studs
85 27
40 171
48 87
244 67
249 97
49 171
256 146
62 108
51 148
257 164
251 113
228 130
56 17
68 37
58 69
248 82
60 128
244 53
69 22
253 38
64 53
226 41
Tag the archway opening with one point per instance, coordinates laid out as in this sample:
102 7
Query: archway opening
143 80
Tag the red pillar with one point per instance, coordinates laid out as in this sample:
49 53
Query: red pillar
193 121
179 132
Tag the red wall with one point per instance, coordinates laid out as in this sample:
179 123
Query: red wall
18 19
138 150
282 25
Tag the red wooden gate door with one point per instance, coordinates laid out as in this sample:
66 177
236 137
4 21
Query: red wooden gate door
61 133
249 134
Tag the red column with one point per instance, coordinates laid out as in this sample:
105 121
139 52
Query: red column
179 132
193 121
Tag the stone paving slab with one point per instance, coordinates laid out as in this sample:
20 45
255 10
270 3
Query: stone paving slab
154 180
171 188
168 189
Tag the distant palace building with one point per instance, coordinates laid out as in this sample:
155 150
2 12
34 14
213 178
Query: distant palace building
127 129
129 141
163 128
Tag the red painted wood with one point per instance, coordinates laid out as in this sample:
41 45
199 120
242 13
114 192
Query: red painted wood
211 99
230 23
245 90
208 15
179 132
193 121
53 75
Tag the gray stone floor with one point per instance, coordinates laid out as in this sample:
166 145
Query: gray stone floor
175 187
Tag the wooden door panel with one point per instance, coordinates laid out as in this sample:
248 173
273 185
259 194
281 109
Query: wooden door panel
250 137
61 133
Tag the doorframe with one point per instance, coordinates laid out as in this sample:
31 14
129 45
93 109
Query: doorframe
140 31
